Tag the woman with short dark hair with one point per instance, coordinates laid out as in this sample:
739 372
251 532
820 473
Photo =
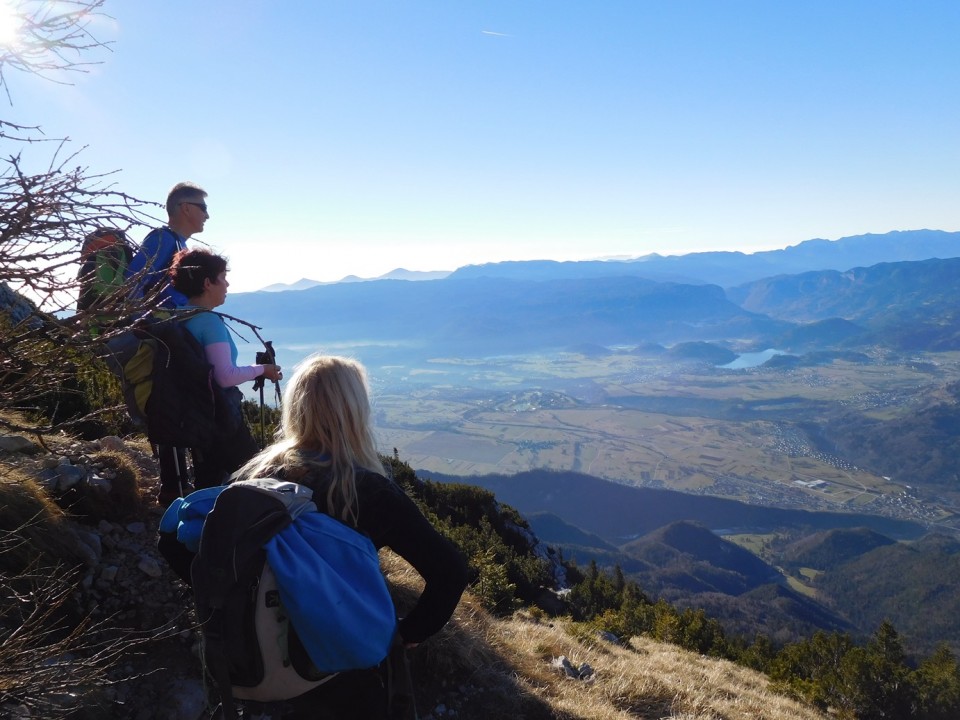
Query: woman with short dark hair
202 276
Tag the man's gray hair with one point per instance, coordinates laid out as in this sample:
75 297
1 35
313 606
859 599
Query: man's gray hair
184 192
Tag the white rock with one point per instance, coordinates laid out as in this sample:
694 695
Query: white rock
90 547
69 476
109 573
149 566
608 637
112 442
100 483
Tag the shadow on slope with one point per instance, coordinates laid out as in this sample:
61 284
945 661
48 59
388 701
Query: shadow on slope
913 585
618 513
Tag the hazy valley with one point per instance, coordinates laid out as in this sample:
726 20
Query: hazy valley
661 384
788 405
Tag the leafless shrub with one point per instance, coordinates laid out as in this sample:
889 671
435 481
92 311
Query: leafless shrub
52 38
48 203
49 661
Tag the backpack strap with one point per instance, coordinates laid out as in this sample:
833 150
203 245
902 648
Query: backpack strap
401 703
231 548
214 659
297 499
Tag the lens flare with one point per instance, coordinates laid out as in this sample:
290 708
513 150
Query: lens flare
9 24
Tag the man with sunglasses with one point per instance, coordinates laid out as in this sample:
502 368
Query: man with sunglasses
186 215
147 273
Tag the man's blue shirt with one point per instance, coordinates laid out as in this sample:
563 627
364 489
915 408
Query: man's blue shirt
153 260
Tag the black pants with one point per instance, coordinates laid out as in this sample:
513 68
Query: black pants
213 464
354 695
173 469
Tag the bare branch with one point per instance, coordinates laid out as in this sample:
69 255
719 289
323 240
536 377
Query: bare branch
52 38
43 658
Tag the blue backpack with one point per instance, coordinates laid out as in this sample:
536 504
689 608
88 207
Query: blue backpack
286 596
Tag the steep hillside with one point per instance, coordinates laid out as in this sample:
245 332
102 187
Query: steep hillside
688 555
913 585
822 334
618 513
832 548
922 444
557 531
691 567
775 610
905 304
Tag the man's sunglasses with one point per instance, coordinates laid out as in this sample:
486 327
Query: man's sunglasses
202 206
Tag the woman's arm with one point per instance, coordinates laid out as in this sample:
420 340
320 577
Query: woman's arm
224 371
391 518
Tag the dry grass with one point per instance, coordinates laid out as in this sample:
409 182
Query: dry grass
32 527
49 651
487 667
125 500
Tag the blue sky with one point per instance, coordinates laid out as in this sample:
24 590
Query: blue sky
355 137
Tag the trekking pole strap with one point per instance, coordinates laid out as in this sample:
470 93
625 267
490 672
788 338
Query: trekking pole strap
214 659
401 701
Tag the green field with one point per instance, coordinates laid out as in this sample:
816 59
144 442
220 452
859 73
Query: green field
640 421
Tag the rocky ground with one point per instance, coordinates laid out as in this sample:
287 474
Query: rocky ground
109 489
124 581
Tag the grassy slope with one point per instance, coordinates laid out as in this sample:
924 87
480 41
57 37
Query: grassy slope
488 667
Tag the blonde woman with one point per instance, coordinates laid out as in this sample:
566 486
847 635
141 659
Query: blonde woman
326 443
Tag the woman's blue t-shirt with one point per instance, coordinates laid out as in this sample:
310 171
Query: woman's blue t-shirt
208 328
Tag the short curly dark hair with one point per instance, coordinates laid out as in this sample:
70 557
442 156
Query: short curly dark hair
191 267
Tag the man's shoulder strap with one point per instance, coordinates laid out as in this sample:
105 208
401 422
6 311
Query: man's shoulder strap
167 233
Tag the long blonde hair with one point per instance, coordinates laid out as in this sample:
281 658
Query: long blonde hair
325 424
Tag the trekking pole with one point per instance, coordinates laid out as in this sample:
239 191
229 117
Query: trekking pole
267 357
263 432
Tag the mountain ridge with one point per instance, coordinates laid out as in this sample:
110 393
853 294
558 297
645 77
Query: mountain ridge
909 305
729 268
723 267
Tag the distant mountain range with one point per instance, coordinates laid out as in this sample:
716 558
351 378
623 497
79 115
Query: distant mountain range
735 268
398 274
861 294
488 316
515 308
719 268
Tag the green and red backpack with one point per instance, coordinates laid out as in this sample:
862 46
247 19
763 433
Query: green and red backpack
104 257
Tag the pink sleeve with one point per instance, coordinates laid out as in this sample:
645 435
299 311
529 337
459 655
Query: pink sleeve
224 371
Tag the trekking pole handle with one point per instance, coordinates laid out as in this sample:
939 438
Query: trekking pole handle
271 371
